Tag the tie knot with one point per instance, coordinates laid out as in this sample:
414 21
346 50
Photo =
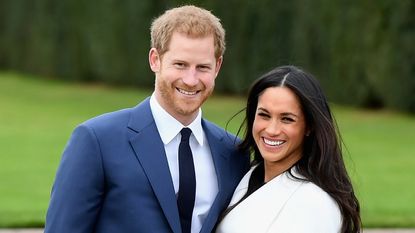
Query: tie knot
185 134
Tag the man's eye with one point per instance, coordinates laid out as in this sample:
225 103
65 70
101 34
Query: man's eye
179 65
204 68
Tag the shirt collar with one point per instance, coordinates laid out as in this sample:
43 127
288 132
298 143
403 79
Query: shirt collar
168 127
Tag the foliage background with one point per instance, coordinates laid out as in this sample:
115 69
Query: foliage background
361 50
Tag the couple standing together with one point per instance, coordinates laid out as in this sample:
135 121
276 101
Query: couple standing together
122 172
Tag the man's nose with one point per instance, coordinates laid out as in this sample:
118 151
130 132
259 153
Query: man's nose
190 77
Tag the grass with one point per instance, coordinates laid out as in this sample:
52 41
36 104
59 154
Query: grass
381 157
38 116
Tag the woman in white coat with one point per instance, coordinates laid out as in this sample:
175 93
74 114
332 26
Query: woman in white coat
298 182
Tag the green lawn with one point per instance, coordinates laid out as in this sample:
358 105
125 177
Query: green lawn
38 116
381 158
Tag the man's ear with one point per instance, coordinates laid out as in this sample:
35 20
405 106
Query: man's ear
218 65
154 60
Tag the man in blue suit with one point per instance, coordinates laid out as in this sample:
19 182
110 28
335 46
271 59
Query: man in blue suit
119 172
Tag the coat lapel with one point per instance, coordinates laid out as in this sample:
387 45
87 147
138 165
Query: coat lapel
149 150
275 193
222 167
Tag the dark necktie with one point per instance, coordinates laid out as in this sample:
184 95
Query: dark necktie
187 182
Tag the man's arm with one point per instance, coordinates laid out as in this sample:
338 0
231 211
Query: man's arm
79 186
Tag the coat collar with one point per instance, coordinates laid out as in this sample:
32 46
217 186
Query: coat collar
276 193
149 150
144 135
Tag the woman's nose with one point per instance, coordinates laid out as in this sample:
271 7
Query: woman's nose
274 128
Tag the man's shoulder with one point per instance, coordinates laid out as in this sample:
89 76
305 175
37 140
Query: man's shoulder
212 127
219 131
109 118
119 117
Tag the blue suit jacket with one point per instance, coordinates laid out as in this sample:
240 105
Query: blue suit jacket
114 177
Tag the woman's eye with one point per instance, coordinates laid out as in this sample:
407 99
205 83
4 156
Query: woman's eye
287 119
263 115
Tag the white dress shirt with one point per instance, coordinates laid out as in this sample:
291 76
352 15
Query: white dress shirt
206 180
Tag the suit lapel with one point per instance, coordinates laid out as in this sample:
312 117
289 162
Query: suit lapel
222 167
149 150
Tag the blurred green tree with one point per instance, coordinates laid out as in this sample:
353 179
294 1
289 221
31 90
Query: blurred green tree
362 51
